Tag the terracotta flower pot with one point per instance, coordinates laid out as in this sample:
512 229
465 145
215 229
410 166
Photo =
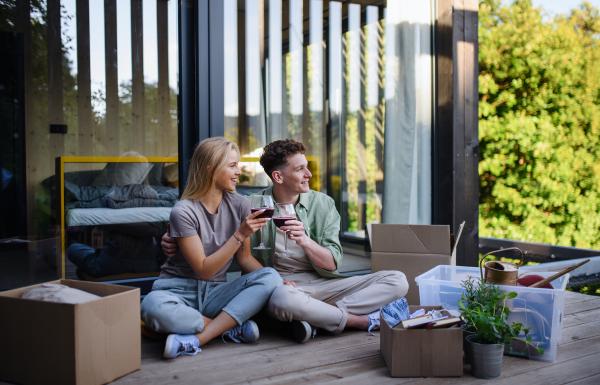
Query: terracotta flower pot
486 359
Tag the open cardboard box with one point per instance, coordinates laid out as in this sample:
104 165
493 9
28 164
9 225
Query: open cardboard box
411 249
422 352
57 343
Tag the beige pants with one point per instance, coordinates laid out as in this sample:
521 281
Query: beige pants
325 303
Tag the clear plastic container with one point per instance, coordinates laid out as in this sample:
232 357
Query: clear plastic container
539 309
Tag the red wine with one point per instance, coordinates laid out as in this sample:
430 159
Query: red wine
267 214
280 221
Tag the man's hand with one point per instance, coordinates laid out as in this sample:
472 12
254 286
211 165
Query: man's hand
296 232
290 283
169 245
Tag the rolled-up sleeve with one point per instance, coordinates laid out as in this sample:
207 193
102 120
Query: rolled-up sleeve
331 235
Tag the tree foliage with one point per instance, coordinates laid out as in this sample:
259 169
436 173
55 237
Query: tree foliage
539 124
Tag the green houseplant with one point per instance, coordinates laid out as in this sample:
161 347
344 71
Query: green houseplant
484 309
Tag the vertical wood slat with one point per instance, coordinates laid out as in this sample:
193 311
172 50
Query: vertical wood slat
55 82
333 64
305 119
164 116
276 126
137 81
242 119
466 146
344 225
471 134
24 27
443 153
84 86
458 57
216 14
379 119
261 44
113 145
362 131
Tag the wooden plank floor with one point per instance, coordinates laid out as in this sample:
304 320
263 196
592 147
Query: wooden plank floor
354 358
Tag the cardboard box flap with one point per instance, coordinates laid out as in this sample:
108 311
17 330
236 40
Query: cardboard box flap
416 239
455 245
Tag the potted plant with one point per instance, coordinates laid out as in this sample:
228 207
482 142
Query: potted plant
473 294
485 312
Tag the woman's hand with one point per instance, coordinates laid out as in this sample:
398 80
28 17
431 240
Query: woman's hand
250 225
290 283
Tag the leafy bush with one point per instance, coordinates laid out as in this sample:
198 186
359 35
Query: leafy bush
539 124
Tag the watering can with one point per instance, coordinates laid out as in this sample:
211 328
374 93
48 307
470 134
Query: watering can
500 273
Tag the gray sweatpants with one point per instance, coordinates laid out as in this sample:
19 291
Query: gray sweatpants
326 303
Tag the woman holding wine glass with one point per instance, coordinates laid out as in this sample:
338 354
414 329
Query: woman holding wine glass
262 203
192 300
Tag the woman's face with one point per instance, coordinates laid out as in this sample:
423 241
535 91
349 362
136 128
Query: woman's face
228 176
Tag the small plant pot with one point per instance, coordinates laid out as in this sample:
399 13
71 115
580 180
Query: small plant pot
466 333
486 359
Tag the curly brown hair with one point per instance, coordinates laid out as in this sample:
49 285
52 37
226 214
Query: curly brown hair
276 154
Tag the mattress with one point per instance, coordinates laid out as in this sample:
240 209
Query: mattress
106 216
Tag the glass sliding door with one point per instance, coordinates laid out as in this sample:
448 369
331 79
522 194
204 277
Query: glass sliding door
350 80
94 151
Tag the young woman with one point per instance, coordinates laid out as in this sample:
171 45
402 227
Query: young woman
191 298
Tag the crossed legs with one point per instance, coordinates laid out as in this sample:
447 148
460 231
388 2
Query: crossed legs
334 304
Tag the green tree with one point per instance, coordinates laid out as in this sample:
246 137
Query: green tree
539 111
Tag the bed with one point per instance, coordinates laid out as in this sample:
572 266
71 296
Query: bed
134 193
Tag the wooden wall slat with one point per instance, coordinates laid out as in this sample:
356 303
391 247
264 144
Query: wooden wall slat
113 146
471 132
306 135
56 142
137 87
443 154
84 86
55 82
24 27
379 118
362 132
164 115
459 122
242 119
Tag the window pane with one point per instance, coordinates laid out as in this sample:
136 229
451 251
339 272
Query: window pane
97 82
322 73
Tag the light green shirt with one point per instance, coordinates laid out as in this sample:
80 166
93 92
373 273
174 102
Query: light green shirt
321 222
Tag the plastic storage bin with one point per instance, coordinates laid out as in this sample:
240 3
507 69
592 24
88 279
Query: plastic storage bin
539 309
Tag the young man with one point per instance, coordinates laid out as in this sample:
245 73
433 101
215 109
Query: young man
315 294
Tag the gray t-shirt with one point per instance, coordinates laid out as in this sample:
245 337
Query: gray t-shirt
190 217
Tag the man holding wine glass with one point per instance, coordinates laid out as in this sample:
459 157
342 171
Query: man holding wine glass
302 244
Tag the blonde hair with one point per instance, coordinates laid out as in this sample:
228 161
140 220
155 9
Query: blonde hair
210 157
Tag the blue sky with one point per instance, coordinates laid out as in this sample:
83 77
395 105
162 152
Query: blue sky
555 7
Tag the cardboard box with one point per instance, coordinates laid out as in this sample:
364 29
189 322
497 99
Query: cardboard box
422 352
33 260
411 249
56 343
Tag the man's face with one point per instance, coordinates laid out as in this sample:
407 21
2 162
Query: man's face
294 177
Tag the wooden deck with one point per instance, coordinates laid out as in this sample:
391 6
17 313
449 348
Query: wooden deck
354 358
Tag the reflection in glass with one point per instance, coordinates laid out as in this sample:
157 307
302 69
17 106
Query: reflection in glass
99 81
277 128
279 58
295 70
231 69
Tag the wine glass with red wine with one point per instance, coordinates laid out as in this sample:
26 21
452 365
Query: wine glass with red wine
262 202
284 212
